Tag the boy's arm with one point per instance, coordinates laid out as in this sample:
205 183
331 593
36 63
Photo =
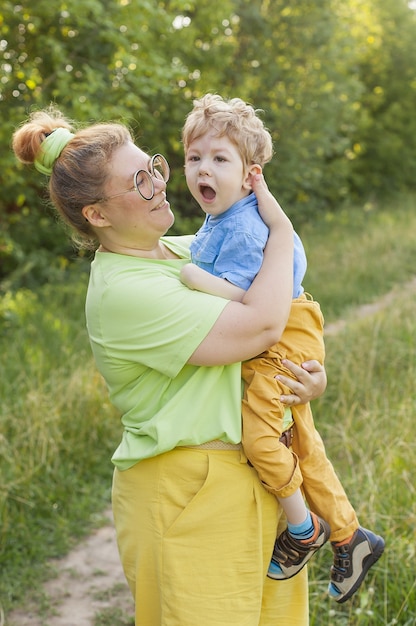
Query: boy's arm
196 278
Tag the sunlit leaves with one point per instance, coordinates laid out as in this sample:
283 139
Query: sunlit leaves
336 81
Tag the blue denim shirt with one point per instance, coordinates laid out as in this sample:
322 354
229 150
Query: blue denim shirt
231 246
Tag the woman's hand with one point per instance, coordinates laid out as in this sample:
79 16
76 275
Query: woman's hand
310 382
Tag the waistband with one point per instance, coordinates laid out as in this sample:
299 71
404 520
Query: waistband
286 438
216 444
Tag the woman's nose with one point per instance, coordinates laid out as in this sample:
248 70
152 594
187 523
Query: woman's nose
158 182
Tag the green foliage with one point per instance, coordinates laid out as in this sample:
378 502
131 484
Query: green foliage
336 83
367 420
360 253
113 617
294 58
88 58
386 61
57 433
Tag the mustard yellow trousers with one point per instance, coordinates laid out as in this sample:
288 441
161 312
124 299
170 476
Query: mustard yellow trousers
305 465
195 530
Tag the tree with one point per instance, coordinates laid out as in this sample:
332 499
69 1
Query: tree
98 60
335 82
385 140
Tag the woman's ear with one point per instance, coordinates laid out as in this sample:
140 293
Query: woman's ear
254 169
94 216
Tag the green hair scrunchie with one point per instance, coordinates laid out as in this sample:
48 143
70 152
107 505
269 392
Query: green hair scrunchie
51 148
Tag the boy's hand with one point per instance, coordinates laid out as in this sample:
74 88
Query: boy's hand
269 209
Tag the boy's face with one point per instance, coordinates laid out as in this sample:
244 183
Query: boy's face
215 173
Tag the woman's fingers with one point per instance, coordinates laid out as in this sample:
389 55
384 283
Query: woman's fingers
310 382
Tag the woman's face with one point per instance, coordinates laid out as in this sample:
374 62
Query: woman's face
132 221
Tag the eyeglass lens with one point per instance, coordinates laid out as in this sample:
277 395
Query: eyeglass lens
143 182
160 167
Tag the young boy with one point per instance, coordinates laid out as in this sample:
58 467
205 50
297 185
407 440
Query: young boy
225 145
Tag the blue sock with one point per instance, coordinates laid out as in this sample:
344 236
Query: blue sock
304 530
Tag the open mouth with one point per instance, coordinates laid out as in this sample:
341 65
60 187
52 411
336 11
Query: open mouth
207 192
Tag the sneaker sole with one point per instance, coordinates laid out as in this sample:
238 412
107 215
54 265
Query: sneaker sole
368 562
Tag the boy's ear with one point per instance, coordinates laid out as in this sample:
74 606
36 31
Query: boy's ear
254 169
94 216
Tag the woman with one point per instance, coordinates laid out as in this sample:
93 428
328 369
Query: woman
195 527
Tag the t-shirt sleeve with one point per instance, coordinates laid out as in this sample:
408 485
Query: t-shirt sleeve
149 318
240 259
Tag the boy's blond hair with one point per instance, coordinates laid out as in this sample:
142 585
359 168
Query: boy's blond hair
234 119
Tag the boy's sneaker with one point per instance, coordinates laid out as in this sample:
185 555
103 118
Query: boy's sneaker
291 555
352 562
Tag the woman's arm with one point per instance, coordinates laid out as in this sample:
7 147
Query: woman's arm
244 329
310 377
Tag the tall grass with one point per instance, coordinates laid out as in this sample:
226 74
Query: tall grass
368 412
57 433
357 255
367 419
57 430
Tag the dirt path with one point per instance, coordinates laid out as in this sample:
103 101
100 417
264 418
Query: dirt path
90 580
369 309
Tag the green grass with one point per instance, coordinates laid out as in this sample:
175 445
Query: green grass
367 420
57 434
58 430
358 255
113 617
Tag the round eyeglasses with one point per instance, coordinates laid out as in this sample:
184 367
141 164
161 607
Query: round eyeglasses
143 180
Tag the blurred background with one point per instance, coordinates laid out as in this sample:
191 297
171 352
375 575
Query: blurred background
336 81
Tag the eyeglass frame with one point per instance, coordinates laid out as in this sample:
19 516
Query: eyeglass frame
152 174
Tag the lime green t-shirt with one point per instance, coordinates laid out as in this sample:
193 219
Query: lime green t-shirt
143 325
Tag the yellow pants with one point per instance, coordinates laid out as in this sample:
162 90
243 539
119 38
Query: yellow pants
306 465
195 530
